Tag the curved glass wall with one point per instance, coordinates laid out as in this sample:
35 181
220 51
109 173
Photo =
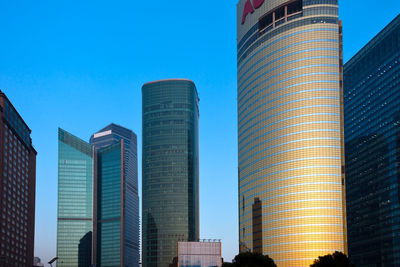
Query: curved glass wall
290 130
170 169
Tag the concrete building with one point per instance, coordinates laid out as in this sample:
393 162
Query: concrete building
203 253
17 188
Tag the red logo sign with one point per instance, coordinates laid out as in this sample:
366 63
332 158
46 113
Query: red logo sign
249 8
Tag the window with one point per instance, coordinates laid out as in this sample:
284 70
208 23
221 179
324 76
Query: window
294 7
280 13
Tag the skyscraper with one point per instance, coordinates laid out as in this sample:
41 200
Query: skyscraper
75 201
290 129
17 188
98 221
117 208
372 131
170 169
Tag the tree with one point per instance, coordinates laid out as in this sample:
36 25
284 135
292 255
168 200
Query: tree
251 259
337 259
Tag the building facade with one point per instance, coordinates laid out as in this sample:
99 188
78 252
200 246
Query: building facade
17 188
204 253
117 208
75 201
290 130
170 169
372 131
98 207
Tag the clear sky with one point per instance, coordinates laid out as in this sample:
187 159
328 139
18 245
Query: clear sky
80 65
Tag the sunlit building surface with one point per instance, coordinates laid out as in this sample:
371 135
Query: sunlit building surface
170 169
372 131
75 201
17 188
290 130
205 253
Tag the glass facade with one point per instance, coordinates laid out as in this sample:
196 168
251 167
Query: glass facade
117 208
109 206
290 130
372 131
75 198
98 202
170 169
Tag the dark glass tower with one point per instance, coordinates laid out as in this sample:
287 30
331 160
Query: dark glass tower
75 200
372 133
170 169
17 188
117 209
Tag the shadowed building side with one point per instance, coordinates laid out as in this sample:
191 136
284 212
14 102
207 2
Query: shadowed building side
372 108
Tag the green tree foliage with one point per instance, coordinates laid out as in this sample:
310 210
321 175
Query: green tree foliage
251 259
337 259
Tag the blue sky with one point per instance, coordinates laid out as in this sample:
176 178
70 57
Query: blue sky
80 65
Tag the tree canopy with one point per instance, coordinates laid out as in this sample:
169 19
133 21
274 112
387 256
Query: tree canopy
251 259
337 259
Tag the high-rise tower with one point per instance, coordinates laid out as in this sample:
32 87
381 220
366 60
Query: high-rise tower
170 169
17 188
117 205
98 203
372 130
75 201
290 129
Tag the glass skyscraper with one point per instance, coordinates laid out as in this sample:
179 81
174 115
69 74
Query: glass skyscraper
290 130
75 201
170 169
372 131
98 221
117 206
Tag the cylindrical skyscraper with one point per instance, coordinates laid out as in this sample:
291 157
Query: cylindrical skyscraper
290 129
170 169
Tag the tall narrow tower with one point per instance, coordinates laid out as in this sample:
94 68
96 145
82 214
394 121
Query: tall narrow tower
170 169
117 200
290 129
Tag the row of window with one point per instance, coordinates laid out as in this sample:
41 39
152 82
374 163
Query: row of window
294 8
252 45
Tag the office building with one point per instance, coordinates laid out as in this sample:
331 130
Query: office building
204 253
98 207
75 201
170 169
117 208
290 130
372 134
17 188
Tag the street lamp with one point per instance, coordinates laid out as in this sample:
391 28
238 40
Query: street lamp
53 260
